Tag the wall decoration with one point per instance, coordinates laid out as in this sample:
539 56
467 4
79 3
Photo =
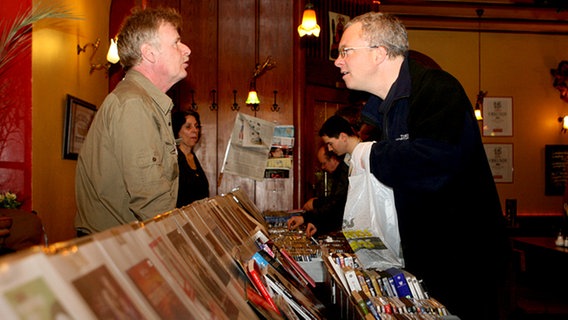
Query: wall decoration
78 118
498 116
500 156
336 24
555 169
560 82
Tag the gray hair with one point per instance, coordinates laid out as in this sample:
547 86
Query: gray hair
385 30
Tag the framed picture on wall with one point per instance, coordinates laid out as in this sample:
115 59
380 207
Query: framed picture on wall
555 169
336 23
498 116
79 115
500 156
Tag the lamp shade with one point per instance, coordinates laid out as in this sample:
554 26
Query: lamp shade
309 24
252 97
478 115
112 55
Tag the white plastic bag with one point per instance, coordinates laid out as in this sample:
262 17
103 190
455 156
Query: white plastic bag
370 222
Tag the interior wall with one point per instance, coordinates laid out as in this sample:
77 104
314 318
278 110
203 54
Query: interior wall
518 66
15 110
57 70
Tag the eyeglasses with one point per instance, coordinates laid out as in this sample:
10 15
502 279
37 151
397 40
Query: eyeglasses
343 51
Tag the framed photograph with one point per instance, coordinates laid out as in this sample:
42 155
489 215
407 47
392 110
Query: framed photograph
79 115
500 156
336 23
498 116
555 169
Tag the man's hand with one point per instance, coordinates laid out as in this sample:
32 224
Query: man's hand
309 205
295 222
311 230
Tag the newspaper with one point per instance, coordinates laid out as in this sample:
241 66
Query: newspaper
248 147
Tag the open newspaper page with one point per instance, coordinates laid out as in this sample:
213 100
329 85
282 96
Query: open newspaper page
248 147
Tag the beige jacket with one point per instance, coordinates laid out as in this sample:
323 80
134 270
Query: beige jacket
127 167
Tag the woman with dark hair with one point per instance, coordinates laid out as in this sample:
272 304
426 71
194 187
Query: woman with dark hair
193 184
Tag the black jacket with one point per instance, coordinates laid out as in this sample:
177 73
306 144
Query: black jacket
432 155
327 215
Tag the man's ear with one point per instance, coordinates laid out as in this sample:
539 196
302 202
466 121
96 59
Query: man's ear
148 52
380 54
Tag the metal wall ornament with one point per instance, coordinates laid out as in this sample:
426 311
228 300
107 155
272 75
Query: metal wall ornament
275 107
193 104
214 105
235 106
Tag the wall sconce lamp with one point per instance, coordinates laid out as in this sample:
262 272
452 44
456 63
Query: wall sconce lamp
481 94
112 54
479 104
252 97
260 69
564 121
309 24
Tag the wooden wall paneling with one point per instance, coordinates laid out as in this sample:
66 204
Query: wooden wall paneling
298 96
200 33
236 62
276 33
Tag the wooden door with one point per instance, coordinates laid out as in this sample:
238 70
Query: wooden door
321 103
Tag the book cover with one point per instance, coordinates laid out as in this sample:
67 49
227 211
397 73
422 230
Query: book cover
31 289
297 267
373 275
388 284
275 263
261 306
98 280
338 272
400 283
370 306
131 258
170 263
105 295
302 295
212 275
360 302
362 282
352 280
259 282
282 292
157 291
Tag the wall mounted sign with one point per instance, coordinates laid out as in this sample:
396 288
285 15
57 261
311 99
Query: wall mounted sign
555 169
500 156
498 116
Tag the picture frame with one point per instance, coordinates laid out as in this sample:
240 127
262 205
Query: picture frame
555 169
500 157
498 116
336 23
79 115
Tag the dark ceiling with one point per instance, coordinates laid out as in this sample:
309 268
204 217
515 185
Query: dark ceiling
519 16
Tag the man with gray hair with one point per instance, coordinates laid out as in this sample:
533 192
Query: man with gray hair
127 167
430 153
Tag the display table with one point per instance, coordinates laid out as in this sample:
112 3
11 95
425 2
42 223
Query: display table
542 281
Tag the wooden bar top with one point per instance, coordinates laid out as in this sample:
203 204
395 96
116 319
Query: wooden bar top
541 242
